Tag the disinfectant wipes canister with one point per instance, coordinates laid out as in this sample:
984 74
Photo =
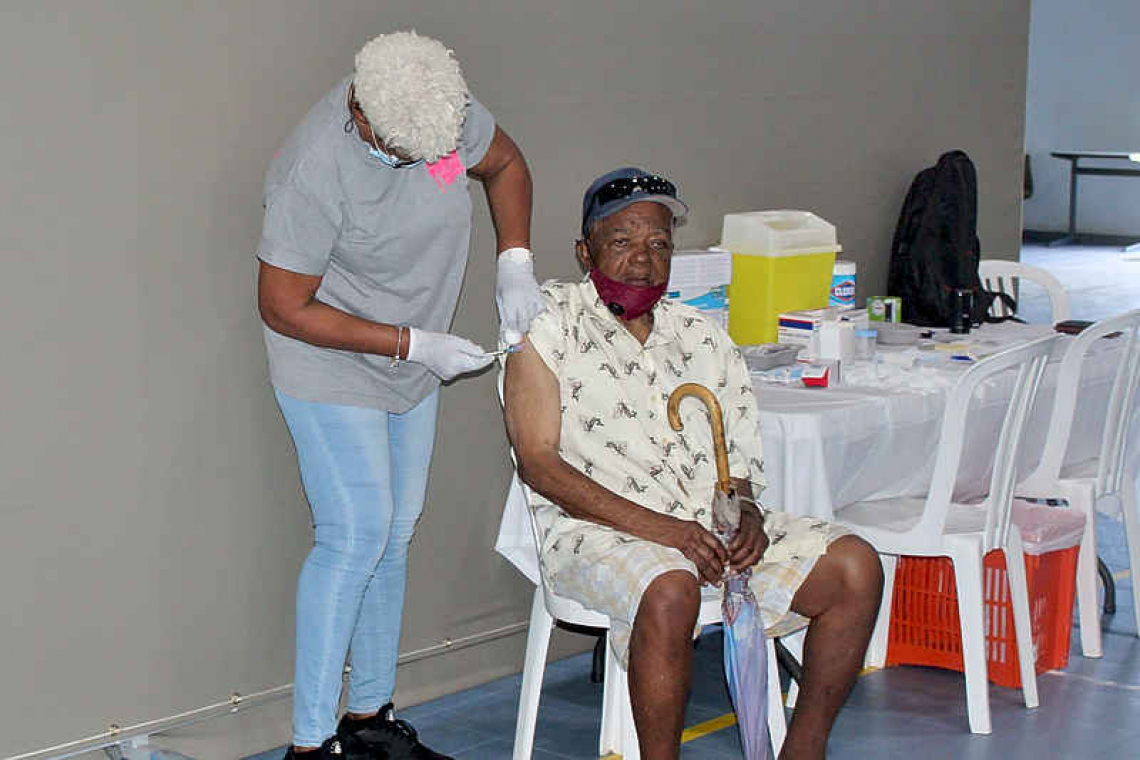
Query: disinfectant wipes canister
842 292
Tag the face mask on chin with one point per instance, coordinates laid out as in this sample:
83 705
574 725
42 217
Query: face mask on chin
624 301
392 162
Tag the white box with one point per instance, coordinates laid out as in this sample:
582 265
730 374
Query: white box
798 328
836 341
700 279
699 271
802 328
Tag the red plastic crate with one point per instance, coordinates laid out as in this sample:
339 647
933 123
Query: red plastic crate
924 613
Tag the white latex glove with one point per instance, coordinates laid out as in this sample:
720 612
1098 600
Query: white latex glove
516 291
445 355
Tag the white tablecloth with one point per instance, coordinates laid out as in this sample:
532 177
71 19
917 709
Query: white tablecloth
825 448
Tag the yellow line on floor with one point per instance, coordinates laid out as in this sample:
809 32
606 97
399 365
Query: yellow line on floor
1120 575
708 727
722 722
697 731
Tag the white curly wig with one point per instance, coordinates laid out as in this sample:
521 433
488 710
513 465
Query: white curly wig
413 93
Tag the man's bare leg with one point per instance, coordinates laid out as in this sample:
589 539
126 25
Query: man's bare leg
841 596
661 662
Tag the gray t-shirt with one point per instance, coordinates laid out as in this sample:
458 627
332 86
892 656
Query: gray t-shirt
390 244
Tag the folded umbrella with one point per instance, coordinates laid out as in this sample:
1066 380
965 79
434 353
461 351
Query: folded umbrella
745 648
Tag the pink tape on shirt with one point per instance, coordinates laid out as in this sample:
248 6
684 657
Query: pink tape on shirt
446 170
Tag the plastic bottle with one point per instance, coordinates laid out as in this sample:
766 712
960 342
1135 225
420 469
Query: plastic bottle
865 341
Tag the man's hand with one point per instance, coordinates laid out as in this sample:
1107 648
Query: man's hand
699 545
747 547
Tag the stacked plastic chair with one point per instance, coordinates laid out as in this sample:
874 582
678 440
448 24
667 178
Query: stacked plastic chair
1103 477
937 526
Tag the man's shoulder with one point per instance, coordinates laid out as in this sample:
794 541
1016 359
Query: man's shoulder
563 305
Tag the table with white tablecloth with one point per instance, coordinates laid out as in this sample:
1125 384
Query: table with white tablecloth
825 448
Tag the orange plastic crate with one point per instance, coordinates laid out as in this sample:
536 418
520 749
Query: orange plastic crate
924 613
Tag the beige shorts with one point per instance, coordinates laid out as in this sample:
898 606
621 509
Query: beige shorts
612 570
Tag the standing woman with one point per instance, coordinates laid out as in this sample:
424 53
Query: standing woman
367 226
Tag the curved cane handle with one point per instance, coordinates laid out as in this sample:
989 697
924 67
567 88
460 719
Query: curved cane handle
724 483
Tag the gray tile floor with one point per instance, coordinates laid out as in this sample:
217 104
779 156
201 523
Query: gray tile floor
1088 710
1100 280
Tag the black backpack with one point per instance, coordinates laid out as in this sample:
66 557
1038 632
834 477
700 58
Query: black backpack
936 248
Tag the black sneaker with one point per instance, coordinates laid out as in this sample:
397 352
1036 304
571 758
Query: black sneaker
330 750
386 737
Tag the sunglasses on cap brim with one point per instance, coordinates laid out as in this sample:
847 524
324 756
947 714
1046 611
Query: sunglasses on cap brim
620 189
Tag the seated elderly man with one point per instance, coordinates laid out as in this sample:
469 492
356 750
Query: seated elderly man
624 500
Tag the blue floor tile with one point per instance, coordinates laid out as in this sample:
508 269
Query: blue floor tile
1087 710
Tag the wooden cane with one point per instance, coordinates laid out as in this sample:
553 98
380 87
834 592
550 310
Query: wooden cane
716 419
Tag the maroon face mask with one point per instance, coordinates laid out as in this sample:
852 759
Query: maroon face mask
626 301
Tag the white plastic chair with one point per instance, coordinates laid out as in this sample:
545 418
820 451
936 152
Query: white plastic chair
936 526
618 734
1106 475
1001 276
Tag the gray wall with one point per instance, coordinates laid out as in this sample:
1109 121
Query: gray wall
1081 95
152 518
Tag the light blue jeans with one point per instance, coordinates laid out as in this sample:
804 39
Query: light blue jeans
365 474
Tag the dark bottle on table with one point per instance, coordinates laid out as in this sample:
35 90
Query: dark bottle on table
961 310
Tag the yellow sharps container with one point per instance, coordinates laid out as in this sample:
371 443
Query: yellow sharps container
781 261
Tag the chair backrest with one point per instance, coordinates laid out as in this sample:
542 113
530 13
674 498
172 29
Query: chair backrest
559 607
1025 365
1119 410
1000 276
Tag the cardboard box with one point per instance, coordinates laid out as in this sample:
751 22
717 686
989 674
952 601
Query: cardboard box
885 308
802 328
797 328
700 279
699 270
